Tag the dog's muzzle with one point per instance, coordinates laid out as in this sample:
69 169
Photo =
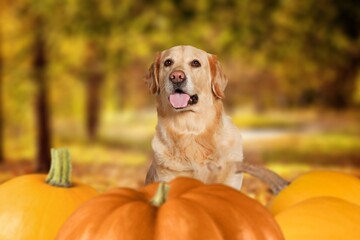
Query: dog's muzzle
179 99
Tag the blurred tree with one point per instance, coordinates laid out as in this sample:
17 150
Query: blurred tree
317 41
94 79
343 42
2 6
36 26
91 19
40 65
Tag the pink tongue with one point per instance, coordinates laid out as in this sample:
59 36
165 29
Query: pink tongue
179 100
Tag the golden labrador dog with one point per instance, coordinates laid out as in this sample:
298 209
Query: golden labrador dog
194 137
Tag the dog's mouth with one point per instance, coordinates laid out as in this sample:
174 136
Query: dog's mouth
180 99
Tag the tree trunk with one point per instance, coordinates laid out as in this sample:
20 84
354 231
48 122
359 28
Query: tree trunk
40 64
1 99
94 79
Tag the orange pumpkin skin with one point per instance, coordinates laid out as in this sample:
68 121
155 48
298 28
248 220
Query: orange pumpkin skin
317 184
327 218
192 210
32 209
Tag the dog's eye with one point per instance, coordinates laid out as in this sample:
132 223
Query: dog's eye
168 62
195 63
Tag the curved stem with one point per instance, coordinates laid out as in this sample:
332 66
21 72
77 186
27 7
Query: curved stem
60 169
161 195
275 182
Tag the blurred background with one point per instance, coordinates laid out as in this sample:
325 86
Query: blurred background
72 74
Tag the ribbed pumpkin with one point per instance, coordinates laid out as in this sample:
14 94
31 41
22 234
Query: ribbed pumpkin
183 209
35 206
321 218
317 184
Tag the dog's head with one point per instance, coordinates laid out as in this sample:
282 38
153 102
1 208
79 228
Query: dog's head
185 77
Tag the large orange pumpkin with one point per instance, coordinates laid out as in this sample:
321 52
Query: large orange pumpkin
317 184
319 205
327 218
35 206
189 210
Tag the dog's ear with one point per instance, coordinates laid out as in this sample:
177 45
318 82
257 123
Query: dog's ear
218 78
152 77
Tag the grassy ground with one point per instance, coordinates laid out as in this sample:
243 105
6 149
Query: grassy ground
289 143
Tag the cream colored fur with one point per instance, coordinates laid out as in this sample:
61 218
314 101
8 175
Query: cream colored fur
200 140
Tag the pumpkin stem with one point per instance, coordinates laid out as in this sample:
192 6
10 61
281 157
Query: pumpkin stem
160 195
60 169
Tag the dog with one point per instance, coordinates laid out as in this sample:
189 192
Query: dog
194 137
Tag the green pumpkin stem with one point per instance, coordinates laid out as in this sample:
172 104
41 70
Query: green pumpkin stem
60 169
161 195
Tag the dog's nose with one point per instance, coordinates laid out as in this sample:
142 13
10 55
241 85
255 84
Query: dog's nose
177 76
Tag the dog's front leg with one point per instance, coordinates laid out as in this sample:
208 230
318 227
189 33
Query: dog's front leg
151 175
